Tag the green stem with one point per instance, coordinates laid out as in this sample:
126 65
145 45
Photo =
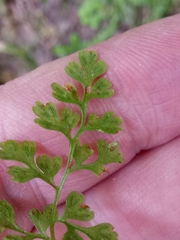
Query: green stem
72 142
76 227
36 235
52 232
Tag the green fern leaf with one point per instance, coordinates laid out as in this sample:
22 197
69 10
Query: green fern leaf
42 220
76 209
49 167
24 152
12 150
103 231
7 217
68 93
16 237
101 89
89 70
107 153
71 234
22 174
49 118
108 123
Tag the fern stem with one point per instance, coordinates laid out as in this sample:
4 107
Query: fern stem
72 142
34 235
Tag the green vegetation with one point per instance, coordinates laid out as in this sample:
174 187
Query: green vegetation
107 17
45 168
55 35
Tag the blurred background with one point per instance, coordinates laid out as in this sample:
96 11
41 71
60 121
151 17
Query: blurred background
33 32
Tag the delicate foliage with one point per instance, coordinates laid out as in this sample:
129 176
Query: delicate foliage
68 93
16 237
75 71
102 231
12 150
49 167
92 13
23 174
21 152
42 220
101 89
24 152
89 70
1 229
82 152
71 234
49 118
76 209
108 123
7 217
107 153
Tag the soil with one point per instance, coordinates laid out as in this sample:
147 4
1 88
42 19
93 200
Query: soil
35 27
29 29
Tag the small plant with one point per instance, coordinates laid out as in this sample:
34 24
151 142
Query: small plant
88 73
75 44
105 18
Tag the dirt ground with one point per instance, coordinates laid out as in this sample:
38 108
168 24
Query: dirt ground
36 28
29 29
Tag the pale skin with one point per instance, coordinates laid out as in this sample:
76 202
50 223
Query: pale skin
142 199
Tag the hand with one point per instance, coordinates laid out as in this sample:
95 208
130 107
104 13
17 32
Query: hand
142 199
